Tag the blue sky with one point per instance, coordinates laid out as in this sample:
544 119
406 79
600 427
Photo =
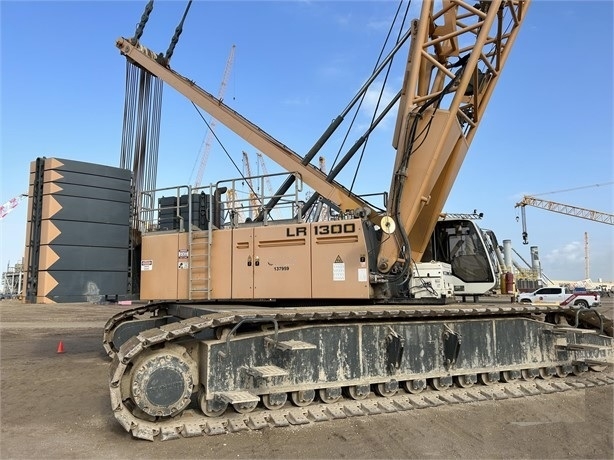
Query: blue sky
297 64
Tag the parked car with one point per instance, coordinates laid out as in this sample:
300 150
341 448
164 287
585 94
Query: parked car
561 295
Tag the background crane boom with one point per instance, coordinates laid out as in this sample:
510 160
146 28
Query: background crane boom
206 145
561 208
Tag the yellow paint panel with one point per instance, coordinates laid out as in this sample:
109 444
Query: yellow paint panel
282 262
49 232
46 284
51 175
53 163
47 257
51 187
50 207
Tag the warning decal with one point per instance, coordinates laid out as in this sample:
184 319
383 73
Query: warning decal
146 265
338 272
338 260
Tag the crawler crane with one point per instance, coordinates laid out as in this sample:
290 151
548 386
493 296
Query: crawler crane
286 322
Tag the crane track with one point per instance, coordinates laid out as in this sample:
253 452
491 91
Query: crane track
192 423
318 313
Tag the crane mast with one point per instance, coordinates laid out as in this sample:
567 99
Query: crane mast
455 61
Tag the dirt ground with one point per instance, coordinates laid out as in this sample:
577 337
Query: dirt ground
57 406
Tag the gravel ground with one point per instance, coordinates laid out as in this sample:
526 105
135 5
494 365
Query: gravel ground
57 406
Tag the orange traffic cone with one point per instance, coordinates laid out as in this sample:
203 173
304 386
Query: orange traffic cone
60 347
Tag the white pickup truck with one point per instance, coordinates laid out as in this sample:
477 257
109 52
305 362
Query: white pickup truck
561 295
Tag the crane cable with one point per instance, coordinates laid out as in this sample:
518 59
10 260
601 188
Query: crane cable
141 123
573 189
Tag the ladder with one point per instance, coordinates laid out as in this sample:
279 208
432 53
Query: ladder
199 242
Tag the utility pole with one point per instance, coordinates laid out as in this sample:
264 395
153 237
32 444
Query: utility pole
586 257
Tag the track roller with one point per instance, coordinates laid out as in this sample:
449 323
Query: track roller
212 407
302 398
358 392
414 386
510 376
274 401
466 381
529 374
489 378
330 395
386 389
441 383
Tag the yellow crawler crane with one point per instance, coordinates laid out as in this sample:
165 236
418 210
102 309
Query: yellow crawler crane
289 321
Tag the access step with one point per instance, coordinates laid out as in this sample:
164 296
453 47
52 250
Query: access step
267 372
581 346
238 397
566 329
292 345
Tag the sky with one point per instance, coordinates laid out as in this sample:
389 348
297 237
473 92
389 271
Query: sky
297 65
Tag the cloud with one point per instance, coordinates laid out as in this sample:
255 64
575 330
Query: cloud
296 101
570 253
370 104
343 20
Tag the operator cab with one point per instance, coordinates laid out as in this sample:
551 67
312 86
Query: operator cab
461 243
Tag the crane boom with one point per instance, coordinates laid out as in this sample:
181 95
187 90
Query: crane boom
453 69
247 130
566 209
213 121
560 208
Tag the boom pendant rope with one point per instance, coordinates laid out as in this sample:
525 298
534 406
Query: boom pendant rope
141 132
142 112
144 18
178 31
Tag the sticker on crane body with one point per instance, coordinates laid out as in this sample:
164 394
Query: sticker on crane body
146 265
362 275
338 269
183 254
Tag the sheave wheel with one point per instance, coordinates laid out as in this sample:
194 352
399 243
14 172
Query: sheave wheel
302 398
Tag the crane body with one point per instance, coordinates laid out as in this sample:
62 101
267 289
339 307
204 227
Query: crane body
271 312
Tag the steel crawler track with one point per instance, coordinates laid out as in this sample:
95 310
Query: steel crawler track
192 423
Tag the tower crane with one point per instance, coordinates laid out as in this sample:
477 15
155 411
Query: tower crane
254 202
206 145
561 208
10 205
